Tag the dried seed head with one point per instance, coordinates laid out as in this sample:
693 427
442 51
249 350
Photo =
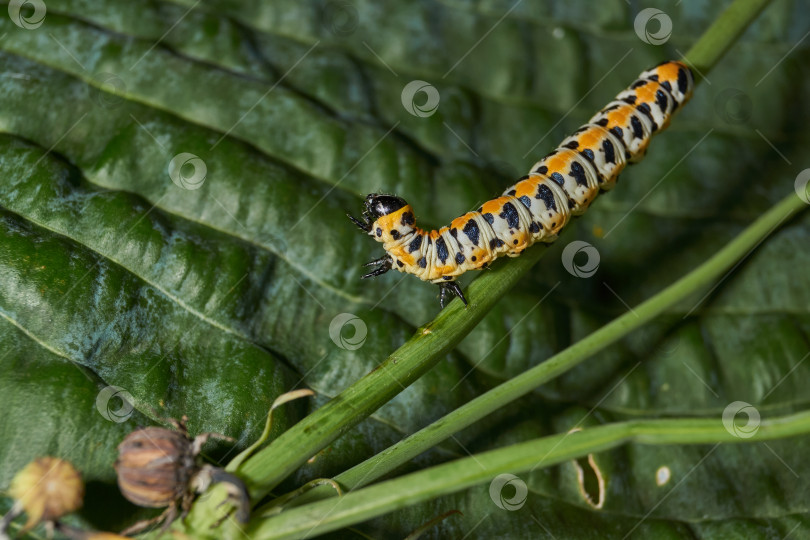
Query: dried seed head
47 489
157 467
154 466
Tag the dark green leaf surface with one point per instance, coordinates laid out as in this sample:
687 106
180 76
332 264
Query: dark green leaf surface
214 301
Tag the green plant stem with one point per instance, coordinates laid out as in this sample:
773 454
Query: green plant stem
469 413
722 34
370 502
421 352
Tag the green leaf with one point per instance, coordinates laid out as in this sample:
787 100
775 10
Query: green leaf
212 302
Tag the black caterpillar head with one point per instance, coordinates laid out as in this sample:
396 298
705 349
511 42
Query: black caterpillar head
378 205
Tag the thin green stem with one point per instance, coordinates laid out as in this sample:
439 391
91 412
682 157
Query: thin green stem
388 496
469 413
722 34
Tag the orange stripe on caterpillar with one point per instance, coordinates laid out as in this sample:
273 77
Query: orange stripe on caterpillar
539 205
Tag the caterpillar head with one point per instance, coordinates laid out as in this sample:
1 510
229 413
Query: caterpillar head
378 205
386 217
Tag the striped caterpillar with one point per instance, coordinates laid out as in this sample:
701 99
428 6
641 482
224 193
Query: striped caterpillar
562 184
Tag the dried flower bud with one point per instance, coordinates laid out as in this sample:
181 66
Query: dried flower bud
154 466
47 489
157 468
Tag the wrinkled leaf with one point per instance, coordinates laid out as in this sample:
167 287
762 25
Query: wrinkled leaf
212 302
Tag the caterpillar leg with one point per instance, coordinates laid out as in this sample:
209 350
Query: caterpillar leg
364 226
454 289
382 260
383 264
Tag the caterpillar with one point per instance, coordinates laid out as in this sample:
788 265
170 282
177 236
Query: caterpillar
540 204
